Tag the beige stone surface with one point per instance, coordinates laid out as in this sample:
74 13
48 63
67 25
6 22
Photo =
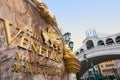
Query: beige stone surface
23 15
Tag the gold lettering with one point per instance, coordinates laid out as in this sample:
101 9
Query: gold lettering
29 33
7 25
16 68
19 56
41 51
46 54
33 69
34 35
59 59
59 73
31 60
35 47
38 38
24 43
28 69
39 70
54 57
27 44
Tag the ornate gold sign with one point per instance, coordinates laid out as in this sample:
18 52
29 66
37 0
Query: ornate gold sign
39 58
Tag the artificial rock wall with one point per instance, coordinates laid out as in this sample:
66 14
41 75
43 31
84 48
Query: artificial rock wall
28 50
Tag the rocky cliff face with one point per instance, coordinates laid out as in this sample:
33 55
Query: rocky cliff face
27 49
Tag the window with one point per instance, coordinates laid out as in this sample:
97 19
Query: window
107 70
81 50
89 44
100 42
109 41
118 39
109 65
77 53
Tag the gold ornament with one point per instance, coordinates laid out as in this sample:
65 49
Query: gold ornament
68 53
52 36
45 12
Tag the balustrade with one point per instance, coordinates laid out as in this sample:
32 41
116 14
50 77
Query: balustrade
96 49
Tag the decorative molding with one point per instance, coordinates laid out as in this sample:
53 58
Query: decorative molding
45 12
68 53
72 65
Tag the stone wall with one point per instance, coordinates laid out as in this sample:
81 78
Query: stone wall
22 32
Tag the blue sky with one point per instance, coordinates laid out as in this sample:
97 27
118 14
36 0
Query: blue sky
78 16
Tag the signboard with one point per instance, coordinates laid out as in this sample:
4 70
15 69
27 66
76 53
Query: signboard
35 57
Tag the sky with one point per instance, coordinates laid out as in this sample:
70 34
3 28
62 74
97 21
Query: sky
79 16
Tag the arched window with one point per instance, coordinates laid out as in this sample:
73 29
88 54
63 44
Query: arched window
100 42
109 41
77 53
81 50
89 44
118 39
